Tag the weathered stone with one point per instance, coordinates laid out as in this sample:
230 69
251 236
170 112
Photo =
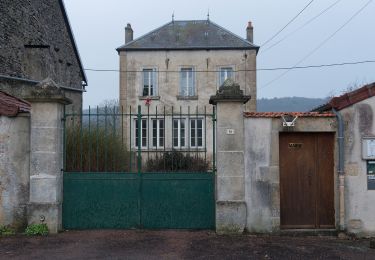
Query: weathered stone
48 213
14 170
230 217
230 188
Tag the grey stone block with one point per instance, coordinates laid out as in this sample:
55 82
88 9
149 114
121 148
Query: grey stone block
230 217
230 164
50 212
45 189
230 188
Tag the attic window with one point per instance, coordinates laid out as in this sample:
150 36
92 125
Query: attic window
36 46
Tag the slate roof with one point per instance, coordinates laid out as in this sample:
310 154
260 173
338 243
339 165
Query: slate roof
11 106
349 98
188 35
280 114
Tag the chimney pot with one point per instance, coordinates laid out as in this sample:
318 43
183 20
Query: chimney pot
128 33
250 32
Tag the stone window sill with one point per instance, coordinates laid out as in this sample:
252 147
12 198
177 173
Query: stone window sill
187 97
149 97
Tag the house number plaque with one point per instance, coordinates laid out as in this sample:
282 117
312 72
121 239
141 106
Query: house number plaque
294 145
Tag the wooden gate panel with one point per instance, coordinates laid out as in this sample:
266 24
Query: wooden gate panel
297 177
325 179
306 180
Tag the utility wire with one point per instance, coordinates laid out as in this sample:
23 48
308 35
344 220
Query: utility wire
301 27
319 46
261 69
282 29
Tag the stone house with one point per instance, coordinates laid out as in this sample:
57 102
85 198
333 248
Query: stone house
36 42
180 65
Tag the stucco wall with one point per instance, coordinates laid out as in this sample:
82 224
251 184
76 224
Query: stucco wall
168 82
262 192
14 170
359 201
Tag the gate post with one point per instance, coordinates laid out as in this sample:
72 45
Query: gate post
231 207
46 155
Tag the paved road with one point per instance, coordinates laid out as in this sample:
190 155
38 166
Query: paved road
137 244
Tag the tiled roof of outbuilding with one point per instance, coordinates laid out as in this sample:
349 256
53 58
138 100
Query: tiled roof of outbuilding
184 35
11 106
280 114
349 98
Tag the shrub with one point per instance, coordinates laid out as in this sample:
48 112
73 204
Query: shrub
95 150
37 230
176 162
6 231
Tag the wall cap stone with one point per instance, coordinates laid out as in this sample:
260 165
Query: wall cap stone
229 92
48 91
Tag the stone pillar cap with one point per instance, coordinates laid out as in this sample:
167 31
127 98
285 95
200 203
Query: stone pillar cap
229 92
48 91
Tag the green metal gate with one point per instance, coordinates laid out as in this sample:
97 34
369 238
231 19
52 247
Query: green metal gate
148 169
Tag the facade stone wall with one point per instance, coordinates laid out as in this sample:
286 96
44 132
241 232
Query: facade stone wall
205 63
359 200
14 170
262 168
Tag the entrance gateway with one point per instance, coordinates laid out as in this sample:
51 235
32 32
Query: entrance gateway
306 180
139 169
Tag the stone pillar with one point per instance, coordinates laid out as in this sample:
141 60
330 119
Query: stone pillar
231 207
46 155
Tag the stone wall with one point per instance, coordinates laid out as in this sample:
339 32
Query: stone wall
14 170
262 193
359 201
168 82
25 25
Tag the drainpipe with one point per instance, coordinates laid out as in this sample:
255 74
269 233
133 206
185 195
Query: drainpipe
340 170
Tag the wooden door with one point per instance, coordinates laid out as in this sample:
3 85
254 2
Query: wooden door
306 180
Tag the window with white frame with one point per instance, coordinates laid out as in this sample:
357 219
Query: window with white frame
193 128
149 82
158 137
142 134
187 82
179 133
225 73
196 132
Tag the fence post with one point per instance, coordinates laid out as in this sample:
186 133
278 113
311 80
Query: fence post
46 155
231 207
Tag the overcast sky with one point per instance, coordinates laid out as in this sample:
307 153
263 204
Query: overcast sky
99 25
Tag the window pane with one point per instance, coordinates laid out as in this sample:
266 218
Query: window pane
148 82
187 82
154 133
182 133
225 73
175 132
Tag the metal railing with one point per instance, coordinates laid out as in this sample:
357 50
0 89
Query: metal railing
109 139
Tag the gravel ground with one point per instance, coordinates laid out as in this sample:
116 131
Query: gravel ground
171 244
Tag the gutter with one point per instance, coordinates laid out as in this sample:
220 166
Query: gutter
36 82
340 170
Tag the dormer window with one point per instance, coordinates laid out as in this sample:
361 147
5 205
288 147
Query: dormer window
149 86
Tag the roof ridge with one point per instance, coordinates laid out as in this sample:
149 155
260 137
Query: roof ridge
236 42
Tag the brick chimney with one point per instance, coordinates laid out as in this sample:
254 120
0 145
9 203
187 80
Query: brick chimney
249 32
128 33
